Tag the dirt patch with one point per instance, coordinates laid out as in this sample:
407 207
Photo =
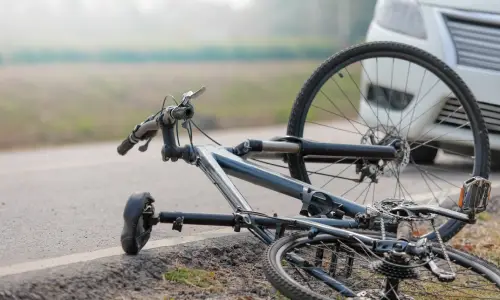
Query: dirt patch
237 273
216 273
223 268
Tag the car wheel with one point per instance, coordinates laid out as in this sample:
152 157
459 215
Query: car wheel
424 154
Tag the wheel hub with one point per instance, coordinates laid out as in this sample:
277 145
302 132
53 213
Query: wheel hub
396 166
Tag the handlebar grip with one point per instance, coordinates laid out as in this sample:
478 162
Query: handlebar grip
182 113
125 146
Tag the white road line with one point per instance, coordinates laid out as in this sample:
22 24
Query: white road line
114 251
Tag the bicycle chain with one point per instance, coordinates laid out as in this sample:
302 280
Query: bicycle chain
443 247
382 227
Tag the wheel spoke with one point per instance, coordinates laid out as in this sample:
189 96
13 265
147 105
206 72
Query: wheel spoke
415 106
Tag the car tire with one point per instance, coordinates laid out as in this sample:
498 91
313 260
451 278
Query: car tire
425 154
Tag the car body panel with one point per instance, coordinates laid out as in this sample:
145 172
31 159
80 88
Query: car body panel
491 6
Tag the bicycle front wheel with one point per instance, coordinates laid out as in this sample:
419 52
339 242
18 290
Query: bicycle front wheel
351 268
374 93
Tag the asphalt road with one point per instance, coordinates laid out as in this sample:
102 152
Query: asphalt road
70 199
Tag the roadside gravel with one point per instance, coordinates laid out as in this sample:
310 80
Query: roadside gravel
233 261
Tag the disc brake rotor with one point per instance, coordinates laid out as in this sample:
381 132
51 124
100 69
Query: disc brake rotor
395 167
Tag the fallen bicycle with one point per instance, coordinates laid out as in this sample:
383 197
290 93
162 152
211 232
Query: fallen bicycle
396 260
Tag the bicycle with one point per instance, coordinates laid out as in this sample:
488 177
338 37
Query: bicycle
383 235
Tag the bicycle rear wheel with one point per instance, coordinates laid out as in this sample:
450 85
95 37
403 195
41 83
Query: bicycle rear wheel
356 97
353 267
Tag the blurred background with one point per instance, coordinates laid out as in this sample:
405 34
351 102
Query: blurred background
89 70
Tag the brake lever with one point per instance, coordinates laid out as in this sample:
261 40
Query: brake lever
186 97
144 148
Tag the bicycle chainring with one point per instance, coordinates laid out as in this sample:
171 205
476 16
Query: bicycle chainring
392 208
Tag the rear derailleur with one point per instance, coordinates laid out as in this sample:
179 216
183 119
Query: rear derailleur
402 258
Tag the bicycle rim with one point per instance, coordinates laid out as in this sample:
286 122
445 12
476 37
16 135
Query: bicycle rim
442 110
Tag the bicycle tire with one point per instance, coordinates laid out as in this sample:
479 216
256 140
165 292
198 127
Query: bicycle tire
415 55
293 290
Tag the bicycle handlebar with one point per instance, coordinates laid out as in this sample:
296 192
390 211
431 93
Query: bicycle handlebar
150 126
182 112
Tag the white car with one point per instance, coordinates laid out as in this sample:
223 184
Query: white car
465 34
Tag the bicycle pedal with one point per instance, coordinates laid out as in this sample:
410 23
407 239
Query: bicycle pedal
475 195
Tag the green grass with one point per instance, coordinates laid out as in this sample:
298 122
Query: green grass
210 281
58 104
194 277
485 216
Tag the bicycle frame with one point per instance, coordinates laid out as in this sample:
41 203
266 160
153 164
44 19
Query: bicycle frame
216 161
219 162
